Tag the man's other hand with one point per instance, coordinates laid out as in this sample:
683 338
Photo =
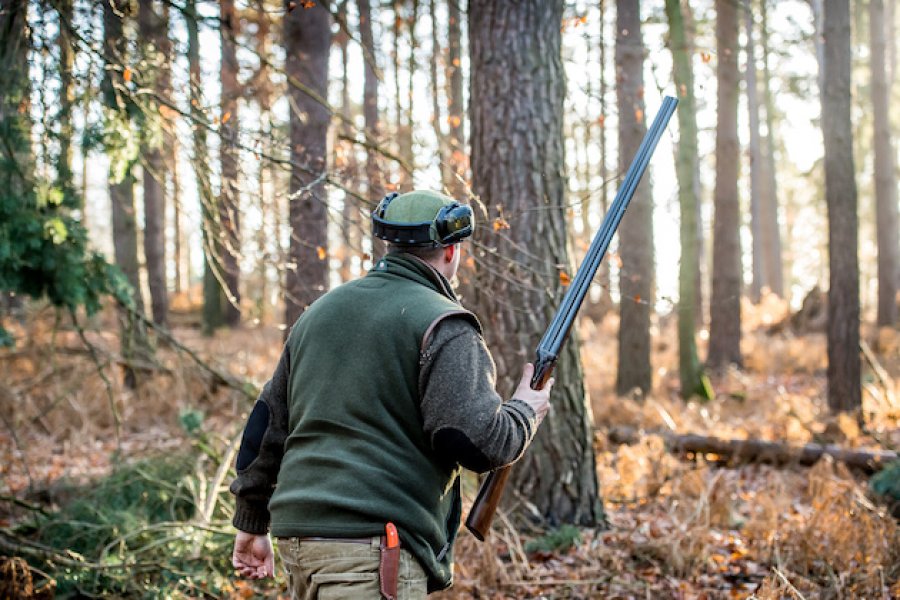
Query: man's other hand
538 400
253 556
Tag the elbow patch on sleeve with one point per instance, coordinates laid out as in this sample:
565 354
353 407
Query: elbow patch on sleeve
455 445
253 435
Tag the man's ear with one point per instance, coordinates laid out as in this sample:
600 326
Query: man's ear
449 251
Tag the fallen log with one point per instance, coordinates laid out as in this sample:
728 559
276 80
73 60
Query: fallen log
869 461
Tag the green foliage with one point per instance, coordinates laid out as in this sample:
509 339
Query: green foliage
556 540
138 534
44 250
887 481
191 420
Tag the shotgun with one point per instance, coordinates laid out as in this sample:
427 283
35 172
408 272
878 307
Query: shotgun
482 513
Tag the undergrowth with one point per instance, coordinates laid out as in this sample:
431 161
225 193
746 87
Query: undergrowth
148 530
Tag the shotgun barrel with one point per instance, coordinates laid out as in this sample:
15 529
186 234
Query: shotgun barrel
491 491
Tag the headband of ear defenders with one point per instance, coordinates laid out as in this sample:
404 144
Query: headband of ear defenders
453 223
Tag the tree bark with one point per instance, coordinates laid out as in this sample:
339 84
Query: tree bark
517 166
755 152
436 117
885 171
229 199
690 370
153 29
636 231
370 104
66 46
844 384
603 277
350 225
455 102
725 303
770 227
212 290
15 101
307 35
121 188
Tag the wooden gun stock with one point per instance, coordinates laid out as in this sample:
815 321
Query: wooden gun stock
491 491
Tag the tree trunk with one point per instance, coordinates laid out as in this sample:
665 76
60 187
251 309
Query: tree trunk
370 104
517 165
690 371
755 152
844 391
229 199
409 125
770 227
212 290
725 303
16 156
636 230
436 118
350 225
399 127
121 188
307 37
153 29
885 172
603 277
455 103
66 46
15 101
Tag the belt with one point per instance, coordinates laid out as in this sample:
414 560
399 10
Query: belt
367 540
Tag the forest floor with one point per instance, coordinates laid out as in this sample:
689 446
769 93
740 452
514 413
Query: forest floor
678 527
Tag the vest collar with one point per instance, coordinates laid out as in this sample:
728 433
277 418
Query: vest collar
414 268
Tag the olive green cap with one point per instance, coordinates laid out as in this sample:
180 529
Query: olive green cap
418 206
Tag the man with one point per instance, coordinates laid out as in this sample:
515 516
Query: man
384 390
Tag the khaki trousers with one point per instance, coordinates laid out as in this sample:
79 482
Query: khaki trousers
334 570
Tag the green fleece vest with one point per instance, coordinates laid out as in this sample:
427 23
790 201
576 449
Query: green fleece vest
356 455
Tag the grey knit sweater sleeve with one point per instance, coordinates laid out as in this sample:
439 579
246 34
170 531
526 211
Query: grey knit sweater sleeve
465 418
262 448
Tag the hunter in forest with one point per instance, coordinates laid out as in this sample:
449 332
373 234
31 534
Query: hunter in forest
385 389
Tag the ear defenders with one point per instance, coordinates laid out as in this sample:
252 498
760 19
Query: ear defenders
453 223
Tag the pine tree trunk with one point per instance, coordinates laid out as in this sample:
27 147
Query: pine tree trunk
350 212
121 190
180 257
212 290
636 230
690 371
17 162
755 152
885 171
725 303
153 29
399 126
409 125
436 117
229 199
517 166
844 391
603 276
66 102
370 104
307 35
455 102
773 263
